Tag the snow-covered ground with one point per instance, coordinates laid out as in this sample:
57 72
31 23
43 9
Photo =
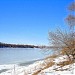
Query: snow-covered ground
38 67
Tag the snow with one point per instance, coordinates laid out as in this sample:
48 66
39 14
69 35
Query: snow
50 71
14 69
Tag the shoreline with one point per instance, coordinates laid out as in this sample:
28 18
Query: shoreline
40 68
7 67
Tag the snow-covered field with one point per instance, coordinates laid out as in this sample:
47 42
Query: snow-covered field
38 68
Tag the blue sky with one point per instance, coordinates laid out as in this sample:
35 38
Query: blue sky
28 21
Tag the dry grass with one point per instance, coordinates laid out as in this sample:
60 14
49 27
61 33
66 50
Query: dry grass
48 62
61 64
51 63
51 57
36 73
47 66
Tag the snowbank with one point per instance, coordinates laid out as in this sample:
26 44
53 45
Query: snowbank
39 67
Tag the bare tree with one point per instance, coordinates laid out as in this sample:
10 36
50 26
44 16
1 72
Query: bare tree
71 17
65 41
72 6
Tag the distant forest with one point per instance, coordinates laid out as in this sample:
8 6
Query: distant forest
5 45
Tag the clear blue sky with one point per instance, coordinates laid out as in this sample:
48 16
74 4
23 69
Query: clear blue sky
28 21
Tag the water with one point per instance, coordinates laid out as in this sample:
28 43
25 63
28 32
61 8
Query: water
17 55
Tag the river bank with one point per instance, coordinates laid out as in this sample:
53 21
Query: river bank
49 66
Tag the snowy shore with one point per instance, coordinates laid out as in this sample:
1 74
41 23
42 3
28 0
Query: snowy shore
38 68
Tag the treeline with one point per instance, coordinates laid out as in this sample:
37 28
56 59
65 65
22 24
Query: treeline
5 45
